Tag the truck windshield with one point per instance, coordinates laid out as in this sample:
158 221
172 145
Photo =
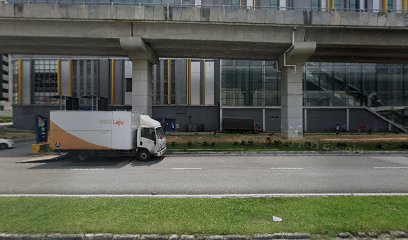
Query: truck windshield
159 133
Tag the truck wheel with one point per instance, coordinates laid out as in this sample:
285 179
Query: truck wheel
143 155
82 156
3 146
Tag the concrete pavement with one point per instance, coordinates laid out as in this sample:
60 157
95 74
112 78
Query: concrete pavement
190 174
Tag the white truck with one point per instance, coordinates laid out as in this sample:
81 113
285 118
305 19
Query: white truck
106 133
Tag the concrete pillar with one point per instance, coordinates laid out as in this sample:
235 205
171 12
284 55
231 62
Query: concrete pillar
142 87
292 102
143 57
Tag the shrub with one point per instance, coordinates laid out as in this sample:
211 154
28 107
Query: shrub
251 143
243 143
379 146
341 145
404 146
205 144
277 143
308 145
173 143
189 144
213 144
235 143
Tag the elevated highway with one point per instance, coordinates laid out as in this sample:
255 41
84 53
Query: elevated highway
202 32
145 33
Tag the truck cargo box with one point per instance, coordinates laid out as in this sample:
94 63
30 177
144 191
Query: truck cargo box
93 130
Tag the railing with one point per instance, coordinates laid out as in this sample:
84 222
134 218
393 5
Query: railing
187 3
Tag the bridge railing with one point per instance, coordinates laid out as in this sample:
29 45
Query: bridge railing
191 3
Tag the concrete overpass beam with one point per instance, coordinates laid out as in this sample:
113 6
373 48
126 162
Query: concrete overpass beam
291 64
143 58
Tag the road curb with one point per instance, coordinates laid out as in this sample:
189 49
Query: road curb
284 153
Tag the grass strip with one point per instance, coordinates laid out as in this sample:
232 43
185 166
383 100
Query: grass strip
291 146
323 215
5 119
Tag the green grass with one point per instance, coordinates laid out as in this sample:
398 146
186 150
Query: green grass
290 146
5 119
325 215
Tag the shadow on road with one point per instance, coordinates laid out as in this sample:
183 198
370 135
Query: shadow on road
97 163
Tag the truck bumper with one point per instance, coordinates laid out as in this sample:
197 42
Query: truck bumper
161 152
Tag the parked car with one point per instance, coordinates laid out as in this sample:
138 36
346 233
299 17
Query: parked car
6 143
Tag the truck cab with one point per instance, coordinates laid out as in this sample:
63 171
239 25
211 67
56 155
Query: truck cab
150 139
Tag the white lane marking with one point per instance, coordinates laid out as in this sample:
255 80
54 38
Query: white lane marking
273 195
186 168
88 169
286 168
390 167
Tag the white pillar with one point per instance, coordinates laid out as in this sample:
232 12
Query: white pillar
142 87
250 3
376 6
323 5
292 102
398 5
362 5
282 4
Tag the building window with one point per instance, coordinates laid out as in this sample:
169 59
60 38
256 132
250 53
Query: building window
85 80
45 81
249 83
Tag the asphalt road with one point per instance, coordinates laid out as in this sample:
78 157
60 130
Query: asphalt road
189 174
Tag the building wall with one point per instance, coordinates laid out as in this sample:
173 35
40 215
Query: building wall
5 86
203 82
24 115
207 116
272 120
325 119
362 120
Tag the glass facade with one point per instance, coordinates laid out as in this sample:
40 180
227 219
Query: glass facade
350 84
85 80
255 83
45 81
249 83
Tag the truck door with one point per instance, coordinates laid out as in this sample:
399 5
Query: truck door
147 139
